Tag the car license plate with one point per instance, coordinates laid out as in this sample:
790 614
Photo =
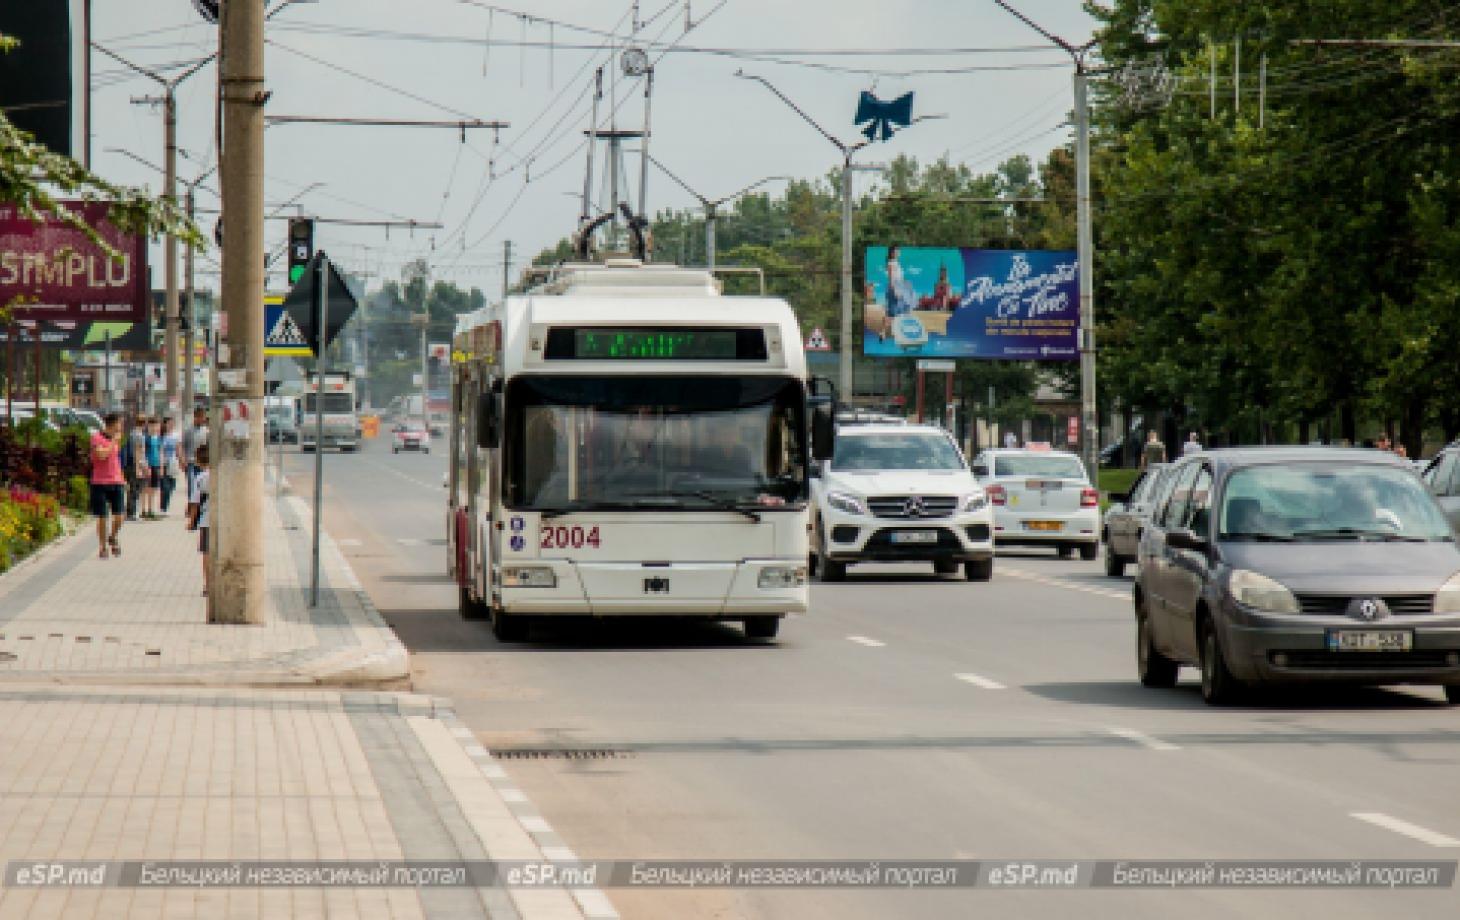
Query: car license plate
1043 525
915 536
1370 640
1043 485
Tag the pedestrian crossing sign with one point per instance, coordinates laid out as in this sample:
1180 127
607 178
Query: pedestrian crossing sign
817 341
282 335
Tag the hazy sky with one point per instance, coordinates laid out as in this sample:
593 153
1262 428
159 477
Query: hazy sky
449 59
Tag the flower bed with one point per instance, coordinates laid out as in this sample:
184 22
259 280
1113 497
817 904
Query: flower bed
28 521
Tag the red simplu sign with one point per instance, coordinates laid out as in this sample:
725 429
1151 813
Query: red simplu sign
52 271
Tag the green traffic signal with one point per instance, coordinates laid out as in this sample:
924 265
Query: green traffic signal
295 273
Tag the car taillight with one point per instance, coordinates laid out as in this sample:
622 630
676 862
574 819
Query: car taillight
996 494
1089 498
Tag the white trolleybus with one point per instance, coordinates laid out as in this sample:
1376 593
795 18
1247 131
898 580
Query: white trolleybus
625 440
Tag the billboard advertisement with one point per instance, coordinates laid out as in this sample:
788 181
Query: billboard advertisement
1011 304
51 271
43 79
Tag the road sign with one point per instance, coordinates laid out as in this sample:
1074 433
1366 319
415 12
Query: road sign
282 335
1072 430
928 366
817 341
299 303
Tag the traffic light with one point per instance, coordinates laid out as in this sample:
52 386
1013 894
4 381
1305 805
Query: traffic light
301 246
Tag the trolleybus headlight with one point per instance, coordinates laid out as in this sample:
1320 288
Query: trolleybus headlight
528 576
782 576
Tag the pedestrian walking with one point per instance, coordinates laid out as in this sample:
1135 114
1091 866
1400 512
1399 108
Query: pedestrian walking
1011 440
133 460
195 437
198 502
1192 445
170 467
108 485
1154 451
151 476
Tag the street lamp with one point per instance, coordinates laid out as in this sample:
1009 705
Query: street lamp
847 151
711 206
169 115
1089 435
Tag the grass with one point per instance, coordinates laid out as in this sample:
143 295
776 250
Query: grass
1117 480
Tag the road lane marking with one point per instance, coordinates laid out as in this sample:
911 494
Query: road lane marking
863 640
1058 583
348 541
1143 739
978 681
1422 834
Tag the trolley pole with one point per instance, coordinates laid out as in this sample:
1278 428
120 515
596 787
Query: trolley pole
321 367
239 589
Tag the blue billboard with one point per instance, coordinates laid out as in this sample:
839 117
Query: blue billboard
1013 304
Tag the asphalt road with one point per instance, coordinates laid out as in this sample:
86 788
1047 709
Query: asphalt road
910 717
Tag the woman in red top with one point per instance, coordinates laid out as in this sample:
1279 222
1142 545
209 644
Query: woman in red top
108 485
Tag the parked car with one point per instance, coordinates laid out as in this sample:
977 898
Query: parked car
411 436
1041 498
899 493
1126 517
1442 476
1297 564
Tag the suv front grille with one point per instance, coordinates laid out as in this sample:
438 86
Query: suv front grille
1336 605
895 506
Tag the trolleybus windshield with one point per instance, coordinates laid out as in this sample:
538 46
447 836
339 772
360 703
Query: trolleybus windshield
637 442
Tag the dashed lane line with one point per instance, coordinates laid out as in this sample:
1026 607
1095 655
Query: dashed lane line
863 640
1143 739
1414 831
1058 583
979 681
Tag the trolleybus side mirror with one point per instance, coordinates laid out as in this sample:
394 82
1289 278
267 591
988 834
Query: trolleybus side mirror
487 435
823 430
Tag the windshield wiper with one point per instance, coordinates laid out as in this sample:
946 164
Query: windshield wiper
1258 537
1356 533
725 504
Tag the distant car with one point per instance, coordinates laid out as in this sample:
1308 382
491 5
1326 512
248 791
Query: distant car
899 493
411 436
1041 498
1126 517
1442 478
865 417
1297 564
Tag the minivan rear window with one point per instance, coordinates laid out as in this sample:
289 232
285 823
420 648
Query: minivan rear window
1049 466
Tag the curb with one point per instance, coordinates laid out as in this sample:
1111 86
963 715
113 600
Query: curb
591 901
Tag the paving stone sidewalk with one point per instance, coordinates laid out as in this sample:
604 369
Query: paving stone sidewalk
70 617
136 773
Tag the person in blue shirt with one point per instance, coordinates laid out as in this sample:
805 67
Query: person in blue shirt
152 456
170 466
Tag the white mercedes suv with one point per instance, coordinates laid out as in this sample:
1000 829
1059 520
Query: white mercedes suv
900 493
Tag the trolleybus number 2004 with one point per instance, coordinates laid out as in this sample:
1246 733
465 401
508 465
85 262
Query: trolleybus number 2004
570 537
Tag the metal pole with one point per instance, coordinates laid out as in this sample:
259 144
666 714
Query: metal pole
1262 91
1089 422
106 401
425 365
238 593
1237 75
321 367
169 254
1212 81
846 342
710 215
644 149
613 167
190 337
592 139
506 267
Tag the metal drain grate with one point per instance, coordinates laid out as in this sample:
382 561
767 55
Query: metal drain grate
560 753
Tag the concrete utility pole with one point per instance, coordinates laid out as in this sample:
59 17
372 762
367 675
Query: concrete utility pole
238 594
506 268
1089 427
712 206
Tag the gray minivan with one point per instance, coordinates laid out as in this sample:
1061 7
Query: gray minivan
1297 564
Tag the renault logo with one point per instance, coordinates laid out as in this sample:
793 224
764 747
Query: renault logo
1369 609
913 507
